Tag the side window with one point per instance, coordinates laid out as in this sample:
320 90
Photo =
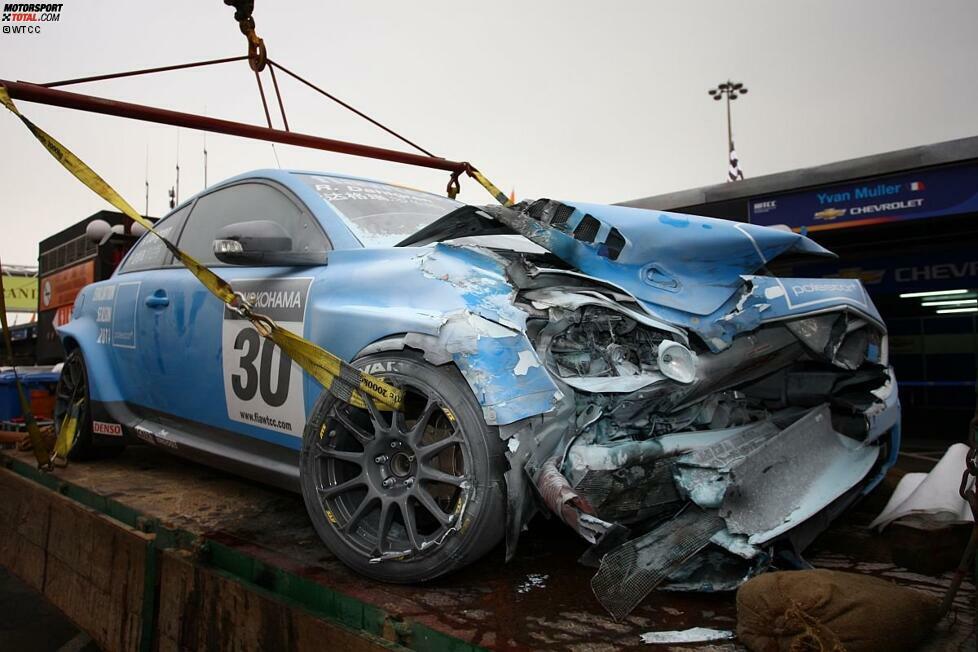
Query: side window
150 252
246 202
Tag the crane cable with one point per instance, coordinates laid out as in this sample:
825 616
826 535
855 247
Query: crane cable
258 59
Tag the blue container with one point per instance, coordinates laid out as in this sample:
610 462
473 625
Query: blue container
30 378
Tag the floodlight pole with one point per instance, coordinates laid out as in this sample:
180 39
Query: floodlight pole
730 90
729 124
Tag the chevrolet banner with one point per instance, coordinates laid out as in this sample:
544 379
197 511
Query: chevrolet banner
925 193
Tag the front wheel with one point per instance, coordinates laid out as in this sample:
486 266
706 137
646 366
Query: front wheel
405 496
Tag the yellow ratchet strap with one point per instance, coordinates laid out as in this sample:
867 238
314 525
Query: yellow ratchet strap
498 194
336 376
67 432
41 453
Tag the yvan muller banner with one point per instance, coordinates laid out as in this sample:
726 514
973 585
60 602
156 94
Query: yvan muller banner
910 196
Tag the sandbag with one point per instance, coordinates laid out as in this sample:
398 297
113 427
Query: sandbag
831 611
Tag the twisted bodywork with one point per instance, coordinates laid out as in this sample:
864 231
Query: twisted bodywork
691 416
666 382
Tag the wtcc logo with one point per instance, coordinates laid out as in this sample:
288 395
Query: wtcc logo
29 14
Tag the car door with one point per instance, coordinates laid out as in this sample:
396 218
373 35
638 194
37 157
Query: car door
219 373
126 309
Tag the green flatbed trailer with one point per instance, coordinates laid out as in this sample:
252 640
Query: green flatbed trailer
150 552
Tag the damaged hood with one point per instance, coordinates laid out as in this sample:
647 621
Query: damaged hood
684 262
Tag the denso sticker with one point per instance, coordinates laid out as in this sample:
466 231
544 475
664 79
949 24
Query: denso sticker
106 428
262 386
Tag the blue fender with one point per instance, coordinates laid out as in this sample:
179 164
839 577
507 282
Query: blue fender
453 303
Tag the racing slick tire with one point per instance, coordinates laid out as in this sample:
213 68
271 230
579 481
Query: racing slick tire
408 496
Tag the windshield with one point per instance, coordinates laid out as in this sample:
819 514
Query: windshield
380 215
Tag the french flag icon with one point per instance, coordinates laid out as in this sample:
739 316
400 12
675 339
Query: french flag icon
916 185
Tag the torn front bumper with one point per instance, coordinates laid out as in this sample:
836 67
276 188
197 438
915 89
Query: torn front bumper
736 498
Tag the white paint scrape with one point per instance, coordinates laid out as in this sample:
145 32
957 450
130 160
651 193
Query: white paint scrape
526 360
694 635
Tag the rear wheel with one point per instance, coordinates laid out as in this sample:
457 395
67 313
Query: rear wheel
72 399
405 496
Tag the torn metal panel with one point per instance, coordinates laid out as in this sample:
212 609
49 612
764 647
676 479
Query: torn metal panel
630 572
714 570
884 415
489 355
597 348
536 440
684 262
480 277
583 456
655 371
631 494
736 544
792 476
704 474
455 304
572 508
765 299
574 300
750 357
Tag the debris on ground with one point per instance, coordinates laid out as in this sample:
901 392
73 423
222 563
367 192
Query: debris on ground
533 581
832 611
692 635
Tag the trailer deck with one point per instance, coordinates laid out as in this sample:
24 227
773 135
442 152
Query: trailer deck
260 538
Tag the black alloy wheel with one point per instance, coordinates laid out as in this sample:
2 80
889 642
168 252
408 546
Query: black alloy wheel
408 495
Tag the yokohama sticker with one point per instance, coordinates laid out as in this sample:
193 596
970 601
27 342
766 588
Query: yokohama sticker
105 428
262 386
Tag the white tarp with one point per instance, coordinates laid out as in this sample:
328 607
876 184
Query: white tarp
929 501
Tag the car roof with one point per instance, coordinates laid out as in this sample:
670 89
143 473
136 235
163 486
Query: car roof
339 232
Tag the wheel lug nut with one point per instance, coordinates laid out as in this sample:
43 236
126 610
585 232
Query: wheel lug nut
409 482
388 483
380 459
395 444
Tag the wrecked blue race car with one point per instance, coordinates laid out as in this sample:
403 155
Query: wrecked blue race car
638 374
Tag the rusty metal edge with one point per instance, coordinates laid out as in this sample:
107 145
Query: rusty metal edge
321 601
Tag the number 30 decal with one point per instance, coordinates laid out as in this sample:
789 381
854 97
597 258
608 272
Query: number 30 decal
254 379
262 386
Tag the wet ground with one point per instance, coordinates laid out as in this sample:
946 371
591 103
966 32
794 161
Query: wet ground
29 622
540 600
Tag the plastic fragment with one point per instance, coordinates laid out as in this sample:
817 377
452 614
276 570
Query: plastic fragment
693 635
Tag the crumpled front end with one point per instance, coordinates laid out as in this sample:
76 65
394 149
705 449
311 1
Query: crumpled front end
707 418
712 419
694 468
